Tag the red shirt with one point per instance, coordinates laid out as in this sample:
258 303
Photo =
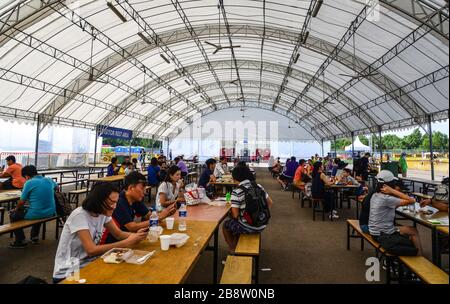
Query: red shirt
15 170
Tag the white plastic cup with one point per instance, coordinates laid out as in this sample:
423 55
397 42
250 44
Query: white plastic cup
165 242
169 223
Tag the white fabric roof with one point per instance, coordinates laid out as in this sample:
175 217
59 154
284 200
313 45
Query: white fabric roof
357 146
406 61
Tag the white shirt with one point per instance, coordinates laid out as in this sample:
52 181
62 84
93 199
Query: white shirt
271 162
70 245
167 188
220 170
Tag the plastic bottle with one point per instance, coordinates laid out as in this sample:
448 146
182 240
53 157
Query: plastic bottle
182 214
154 220
228 198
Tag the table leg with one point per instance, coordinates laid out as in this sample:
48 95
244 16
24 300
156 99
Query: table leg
434 246
216 254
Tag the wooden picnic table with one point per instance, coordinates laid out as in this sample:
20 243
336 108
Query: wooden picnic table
423 181
338 188
421 218
164 267
61 173
9 196
421 195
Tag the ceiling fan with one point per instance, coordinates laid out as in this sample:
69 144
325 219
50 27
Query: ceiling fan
357 75
243 112
219 46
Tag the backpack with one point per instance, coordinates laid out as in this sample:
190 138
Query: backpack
397 244
62 204
256 210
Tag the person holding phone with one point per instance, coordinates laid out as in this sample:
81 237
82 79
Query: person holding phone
82 232
131 214
170 190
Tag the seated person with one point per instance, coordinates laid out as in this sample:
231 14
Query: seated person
383 204
131 206
221 168
112 168
153 170
39 194
301 176
288 175
82 232
134 162
14 173
440 197
182 165
318 190
340 168
123 167
346 178
237 222
170 190
335 166
207 175
129 168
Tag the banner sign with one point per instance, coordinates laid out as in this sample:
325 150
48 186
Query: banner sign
110 132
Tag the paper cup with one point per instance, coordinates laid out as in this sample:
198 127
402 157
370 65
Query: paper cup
169 223
165 242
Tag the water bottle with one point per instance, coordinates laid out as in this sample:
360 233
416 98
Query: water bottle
182 214
153 219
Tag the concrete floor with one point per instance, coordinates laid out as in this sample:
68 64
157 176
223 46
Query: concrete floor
294 248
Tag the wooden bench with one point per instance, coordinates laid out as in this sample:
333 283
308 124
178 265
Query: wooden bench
425 270
238 270
250 245
74 196
354 224
11 227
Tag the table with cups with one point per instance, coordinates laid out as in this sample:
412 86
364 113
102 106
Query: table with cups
433 221
169 264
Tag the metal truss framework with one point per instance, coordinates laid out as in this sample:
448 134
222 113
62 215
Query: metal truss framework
415 10
441 74
197 41
404 100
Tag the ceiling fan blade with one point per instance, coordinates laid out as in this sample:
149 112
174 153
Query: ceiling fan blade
231 46
217 49
211 44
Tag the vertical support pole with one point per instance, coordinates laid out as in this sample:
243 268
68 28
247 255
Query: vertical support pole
322 149
168 148
353 145
95 146
430 135
335 148
129 154
380 143
36 147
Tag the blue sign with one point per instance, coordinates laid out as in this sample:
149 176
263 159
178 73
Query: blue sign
110 132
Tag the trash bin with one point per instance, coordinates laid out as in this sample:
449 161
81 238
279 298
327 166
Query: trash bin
390 166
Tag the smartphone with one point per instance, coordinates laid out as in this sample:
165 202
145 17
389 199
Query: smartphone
178 205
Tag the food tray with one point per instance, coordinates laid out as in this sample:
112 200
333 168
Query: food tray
117 255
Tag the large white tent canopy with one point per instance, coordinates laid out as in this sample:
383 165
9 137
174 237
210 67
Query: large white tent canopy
332 67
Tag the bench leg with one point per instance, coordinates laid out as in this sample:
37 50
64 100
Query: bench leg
362 244
257 269
57 229
348 236
44 229
215 254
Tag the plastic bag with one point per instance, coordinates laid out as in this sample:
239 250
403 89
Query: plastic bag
194 195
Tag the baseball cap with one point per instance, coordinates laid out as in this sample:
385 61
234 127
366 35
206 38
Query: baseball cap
385 176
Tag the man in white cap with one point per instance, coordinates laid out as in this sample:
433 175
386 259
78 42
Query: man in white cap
383 204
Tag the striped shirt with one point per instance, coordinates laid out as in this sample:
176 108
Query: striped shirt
238 201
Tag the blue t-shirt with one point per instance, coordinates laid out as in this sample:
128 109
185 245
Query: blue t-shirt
125 213
153 175
205 177
39 193
110 170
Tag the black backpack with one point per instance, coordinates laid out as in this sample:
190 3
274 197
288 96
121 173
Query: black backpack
63 207
397 244
256 210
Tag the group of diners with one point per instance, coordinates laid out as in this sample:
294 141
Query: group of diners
109 218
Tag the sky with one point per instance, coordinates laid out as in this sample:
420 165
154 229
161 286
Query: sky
438 126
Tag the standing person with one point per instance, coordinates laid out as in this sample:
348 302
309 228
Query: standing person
363 167
39 194
113 168
182 165
131 214
288 174
142 158
221 168
14 172
319 181
170 190
82 232
239 221
153 176
170 154
403 164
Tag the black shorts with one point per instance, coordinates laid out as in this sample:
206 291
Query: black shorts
286 178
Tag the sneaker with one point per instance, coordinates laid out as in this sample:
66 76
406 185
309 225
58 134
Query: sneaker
334 216
335 212
35 241
18 245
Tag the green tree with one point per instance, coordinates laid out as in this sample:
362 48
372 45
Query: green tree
341 143
364 140
391 141
440 142
412 141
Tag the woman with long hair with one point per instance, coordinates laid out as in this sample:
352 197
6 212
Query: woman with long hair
319 183
169 191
